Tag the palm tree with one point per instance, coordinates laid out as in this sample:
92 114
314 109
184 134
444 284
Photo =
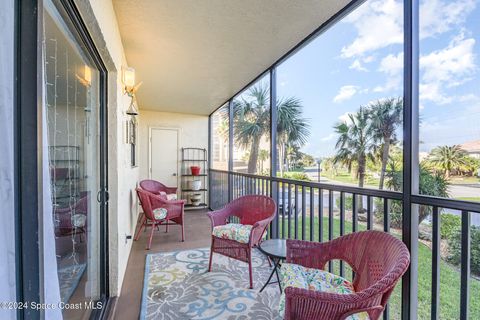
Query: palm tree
446 159
356 137
252 122
222 130
292 129
346 157
251 115
386 116
262 156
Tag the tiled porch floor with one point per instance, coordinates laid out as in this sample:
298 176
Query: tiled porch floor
197 235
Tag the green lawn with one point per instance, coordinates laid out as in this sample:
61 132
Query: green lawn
449 276
345 177
475 199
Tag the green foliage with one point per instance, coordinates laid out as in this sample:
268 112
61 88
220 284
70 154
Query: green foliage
348 202
366 137
296 176
395 212
251 120
431 184
307 160
449 225
355 142
386 117
446 159
471 166
455 249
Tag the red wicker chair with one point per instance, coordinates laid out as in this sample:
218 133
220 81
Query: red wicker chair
150 202
156 187
254 210
378 259
64 221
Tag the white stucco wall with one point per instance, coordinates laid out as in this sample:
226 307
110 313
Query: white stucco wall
99 16
193 133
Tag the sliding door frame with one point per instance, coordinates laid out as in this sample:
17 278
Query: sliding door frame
28 154
27 159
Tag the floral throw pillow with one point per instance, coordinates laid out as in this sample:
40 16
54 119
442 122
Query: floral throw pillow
297 276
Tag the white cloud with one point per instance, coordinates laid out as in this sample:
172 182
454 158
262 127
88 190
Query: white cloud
379 23
445 68
329 137
441 16
368 59
469 98
357 65
392 65
345 93
456 60
433 92
345 117
440 69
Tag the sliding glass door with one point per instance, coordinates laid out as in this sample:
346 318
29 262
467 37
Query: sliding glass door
74 183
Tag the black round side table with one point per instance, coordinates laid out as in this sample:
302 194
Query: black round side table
276 250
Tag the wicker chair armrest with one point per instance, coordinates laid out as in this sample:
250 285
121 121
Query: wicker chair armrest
258 229
219 217
324 297
262 223
174 207
176 202
330 305
158 201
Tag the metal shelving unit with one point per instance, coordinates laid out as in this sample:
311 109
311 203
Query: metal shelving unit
194 157
65 174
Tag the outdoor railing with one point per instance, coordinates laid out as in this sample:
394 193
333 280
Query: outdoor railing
316 211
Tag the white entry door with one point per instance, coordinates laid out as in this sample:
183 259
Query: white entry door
164 156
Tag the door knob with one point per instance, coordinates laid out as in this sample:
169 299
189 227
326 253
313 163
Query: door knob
174 174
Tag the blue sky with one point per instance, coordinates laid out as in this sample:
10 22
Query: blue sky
360 60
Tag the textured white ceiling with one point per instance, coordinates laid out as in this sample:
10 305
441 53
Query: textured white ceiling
193 55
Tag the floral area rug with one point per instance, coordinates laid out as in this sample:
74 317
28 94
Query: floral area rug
178 286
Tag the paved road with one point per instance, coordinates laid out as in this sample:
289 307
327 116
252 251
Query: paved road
456 191
471 190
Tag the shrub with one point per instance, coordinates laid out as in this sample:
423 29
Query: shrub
430 184
449 225
348 202
296 176
395 212
455 249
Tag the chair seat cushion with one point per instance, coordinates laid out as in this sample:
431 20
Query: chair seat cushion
160 213
170 196
297 276
234 231
78 220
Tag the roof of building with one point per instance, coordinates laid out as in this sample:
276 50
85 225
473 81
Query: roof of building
471 146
